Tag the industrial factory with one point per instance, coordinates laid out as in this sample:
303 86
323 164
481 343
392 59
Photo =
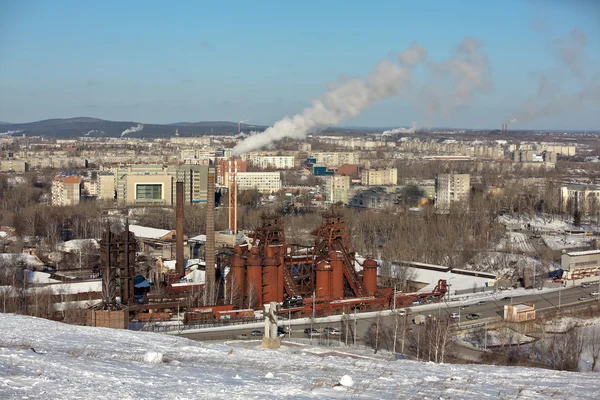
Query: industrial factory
322 279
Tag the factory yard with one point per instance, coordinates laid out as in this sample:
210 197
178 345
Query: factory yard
54 360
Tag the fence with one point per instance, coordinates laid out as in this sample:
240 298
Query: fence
162 327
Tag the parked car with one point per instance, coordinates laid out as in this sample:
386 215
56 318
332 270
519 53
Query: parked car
332 331
480 303
506 298
594 294
242 336
315 332
582 298
256 332
455 315
474 316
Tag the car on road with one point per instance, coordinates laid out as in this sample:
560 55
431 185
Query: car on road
281 331
315 332
505 298
256 332
464 307
582 298
480 303
594 294
455 315
242 336
474 316
331 331
585 285
401 312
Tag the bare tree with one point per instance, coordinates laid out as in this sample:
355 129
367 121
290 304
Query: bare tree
593 346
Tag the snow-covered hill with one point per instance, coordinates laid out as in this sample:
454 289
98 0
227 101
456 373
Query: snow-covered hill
40 359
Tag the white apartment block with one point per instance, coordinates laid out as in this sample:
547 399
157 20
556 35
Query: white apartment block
339 186
451 188
586 197
382 177
105 186
277 162
337 158
264 182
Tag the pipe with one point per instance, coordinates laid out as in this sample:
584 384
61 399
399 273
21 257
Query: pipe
179 267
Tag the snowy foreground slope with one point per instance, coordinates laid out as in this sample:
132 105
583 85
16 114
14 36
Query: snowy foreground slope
40 359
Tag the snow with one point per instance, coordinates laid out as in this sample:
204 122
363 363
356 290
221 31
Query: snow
30 260
148 233
51 360
567 241
39 277
78 244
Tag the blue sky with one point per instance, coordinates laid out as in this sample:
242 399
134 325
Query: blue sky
157 62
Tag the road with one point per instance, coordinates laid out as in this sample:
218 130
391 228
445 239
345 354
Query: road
493 307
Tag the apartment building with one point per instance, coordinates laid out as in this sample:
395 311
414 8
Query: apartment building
338 188
336 158
264 182
105 183
379 177
66 189
12 165
584 197
276 162
451 188
224 167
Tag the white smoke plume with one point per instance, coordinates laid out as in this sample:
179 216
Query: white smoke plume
551 98
137 128
94 131
413 128
11 132
454 82
341 102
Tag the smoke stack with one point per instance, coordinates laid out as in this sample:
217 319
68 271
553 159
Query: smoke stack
179 267
506 128
209 285
239 127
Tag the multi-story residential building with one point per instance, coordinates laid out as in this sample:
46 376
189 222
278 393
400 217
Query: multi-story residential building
264 182
13 165
379 177
276 162
451 188
338 187
66 189
580 196
105 186
336 158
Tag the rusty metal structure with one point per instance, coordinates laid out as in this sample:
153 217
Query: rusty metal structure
117 253
324 276
209 286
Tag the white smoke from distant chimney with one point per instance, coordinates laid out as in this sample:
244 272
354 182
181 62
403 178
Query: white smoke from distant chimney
93 131
11 132
551 99
341 102
412 56
468 72
137 128
413 128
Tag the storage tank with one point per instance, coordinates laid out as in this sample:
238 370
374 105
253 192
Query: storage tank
370 276
323 288
237 281
254 279
336 260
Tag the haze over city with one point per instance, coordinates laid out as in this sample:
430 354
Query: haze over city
154 62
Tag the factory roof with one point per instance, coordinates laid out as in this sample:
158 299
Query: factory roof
149 233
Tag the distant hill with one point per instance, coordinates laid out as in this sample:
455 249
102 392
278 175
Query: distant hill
80 126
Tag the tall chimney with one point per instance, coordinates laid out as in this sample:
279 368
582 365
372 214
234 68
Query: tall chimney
506 128
179 267
209 285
